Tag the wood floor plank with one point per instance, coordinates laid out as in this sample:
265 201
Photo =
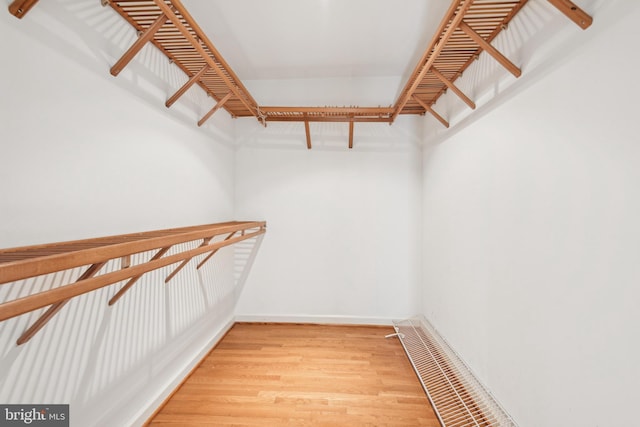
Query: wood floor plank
301 375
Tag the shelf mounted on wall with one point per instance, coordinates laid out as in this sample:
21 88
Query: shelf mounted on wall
32 261
466 30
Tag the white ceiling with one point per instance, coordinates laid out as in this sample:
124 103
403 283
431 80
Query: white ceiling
292 39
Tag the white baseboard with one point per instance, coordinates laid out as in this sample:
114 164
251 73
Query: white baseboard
332 320
181 375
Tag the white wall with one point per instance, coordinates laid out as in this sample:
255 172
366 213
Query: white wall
84 154
77 145
529 216
531 235
343 234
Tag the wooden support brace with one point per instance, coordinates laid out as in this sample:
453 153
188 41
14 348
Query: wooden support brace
351 134
573 12
437 49
187 33
19 8
208 257
215 108
205 242
431 110
22 305
146 36
490 49
55 308
134 279
186 86
125 261
308 132
454 88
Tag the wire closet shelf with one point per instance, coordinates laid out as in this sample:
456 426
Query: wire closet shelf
457 397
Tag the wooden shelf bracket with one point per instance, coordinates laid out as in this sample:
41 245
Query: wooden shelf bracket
197 76
351 134
428 108
205 242
308 134
145 37
197 45
455 15
454 88
55 308
215 108
573 12
134 279
467 28
19 8
497 55
213 252
31 261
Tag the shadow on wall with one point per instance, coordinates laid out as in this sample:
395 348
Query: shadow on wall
538 40
95 37
485 79
110 362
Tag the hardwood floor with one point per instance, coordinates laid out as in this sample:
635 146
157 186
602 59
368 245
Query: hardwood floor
301 375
